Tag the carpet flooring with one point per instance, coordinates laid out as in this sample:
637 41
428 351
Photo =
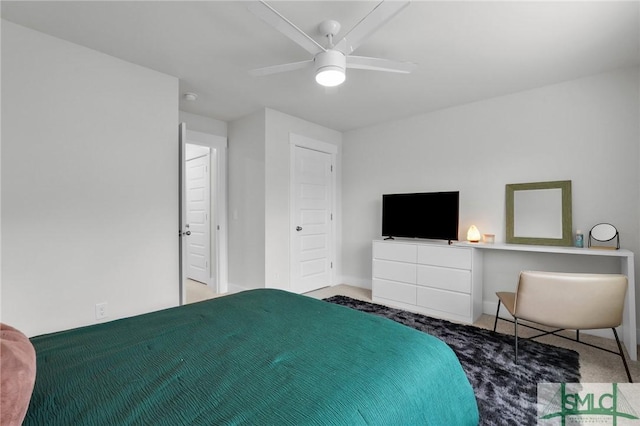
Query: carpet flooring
506 392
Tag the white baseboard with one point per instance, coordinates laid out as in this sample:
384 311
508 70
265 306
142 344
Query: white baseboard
489 308
234 288
355 282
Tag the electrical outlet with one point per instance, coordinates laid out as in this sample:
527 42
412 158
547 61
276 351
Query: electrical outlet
101 310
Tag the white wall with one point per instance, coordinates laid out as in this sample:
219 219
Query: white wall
246 202
584 130
259 190
278 188
89 184
203 124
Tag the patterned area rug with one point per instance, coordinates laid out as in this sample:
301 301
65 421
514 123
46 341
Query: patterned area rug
506 392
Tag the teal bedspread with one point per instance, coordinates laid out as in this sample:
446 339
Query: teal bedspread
261 357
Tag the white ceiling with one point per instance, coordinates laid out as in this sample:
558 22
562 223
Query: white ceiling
465 51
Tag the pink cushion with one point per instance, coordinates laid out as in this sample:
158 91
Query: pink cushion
17 375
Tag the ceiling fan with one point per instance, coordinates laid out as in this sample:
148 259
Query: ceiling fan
331 62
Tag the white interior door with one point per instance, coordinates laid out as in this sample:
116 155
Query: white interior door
198 214
217 148
312 217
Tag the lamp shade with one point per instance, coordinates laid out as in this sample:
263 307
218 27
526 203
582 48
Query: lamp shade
330 68
473 235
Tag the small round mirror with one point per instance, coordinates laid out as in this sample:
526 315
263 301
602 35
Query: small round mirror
604 232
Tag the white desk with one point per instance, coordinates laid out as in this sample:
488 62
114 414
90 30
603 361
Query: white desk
627 268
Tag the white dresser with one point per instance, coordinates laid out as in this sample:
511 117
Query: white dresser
435 279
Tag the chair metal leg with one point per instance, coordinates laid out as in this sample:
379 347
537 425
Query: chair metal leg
624 361
577 335
495 323
515 332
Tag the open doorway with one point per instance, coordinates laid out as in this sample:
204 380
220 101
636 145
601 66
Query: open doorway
204 221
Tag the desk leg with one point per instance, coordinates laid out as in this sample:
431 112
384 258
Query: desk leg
627 267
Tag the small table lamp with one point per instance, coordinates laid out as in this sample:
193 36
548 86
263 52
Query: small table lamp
473 235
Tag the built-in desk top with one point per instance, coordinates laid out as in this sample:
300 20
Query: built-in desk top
549 249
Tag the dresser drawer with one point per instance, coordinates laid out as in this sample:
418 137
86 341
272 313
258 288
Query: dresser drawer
394 271
445 278
449 257
392 251
405 293
444 301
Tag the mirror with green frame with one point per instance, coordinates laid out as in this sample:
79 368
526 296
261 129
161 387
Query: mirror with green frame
539 213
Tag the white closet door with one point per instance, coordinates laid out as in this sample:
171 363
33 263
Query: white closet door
312 241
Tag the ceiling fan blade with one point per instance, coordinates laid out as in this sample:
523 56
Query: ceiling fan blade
280 68
378 64
272 17
380 15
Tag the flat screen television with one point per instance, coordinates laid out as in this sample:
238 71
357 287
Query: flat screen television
429 215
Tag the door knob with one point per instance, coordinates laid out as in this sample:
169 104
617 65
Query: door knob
187 233
298 228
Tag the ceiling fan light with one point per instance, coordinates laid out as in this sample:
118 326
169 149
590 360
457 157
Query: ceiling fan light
330 66
330 76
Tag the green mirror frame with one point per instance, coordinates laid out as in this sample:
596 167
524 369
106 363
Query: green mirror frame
567 226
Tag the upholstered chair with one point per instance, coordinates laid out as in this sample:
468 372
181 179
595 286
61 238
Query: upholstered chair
567 301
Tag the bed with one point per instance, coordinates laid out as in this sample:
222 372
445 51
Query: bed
258 357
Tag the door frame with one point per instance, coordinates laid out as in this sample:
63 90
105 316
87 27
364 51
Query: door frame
219 211
299 141
182 214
